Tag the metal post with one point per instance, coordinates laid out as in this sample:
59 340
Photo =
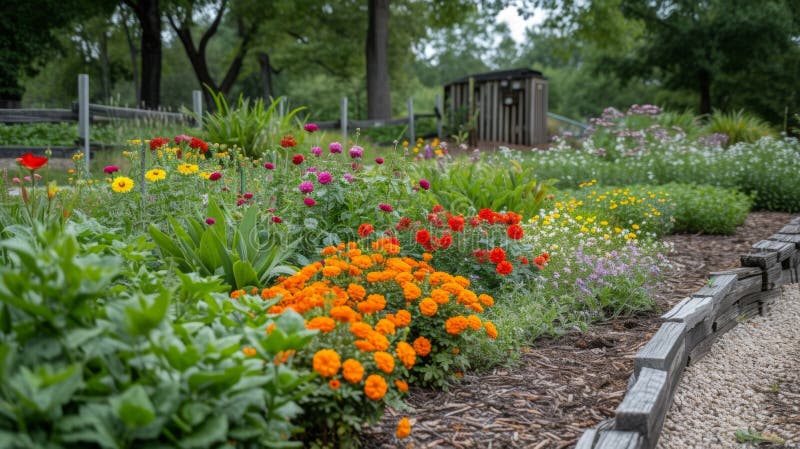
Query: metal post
83 115
197 107
411 136
439 112
344 120
282 107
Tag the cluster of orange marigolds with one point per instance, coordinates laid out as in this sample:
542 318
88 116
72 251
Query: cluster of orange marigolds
380 317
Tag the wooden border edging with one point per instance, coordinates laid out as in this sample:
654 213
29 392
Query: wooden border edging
688 332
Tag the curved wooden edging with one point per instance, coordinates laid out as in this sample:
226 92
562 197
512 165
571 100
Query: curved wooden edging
688 332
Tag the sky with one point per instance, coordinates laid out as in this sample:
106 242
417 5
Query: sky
517 24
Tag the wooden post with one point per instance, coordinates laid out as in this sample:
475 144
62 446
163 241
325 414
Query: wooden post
473 137
83 115
344 120
282 107
197 107
439 113
411 136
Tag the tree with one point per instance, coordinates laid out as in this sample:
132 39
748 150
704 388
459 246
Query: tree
379 99
149 14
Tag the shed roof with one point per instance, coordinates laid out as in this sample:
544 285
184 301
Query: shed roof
501 75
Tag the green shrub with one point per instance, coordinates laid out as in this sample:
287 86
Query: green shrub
739 126
707 209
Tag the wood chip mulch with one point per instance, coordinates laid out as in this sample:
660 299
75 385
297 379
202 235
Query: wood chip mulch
561 387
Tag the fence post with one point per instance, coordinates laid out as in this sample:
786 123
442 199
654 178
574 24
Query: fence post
197 107
83 115
411 136
282 107
439 113
344 120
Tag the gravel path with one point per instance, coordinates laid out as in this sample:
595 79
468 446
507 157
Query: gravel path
749 380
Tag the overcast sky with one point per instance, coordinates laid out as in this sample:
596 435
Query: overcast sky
517 24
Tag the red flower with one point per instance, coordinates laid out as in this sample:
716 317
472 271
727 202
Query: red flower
456 223
158 142
524 260
435 220
277 219
297 159
365 229
288 142
403 224
385 207
423 237
198 144
497 255
437 208
487 214
515 232
539 261
512 218
446 240
32 162
546 257
504 268
480 255
215 176
474 222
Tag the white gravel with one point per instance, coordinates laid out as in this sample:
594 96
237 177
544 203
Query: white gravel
749 380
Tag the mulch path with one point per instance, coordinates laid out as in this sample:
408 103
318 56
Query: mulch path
563 386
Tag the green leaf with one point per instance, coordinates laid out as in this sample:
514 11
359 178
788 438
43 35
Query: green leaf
244 274
148 317
133 407
195 412
214 430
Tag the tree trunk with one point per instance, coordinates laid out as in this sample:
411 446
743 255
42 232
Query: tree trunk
105 67
266 75
705 92
149 15
133 51
379 101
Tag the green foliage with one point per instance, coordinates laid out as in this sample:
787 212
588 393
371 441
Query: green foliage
97 350
739 126
247 256
250 125
707 209
753 436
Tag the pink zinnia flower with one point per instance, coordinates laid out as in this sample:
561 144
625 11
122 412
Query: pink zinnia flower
269 166
425 184
15 180
379 160
27 178
356 152
348 177
385 207
324 178
210 221
309 201
317 151
311 127
247 196
335 147
37 176
108 169
216 176
181 138
306 187
239 202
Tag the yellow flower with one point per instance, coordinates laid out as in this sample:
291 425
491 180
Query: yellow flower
187 169
155 175
204 174
122 184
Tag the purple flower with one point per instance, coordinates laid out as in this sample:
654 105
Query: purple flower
324 178
210 221
306 187
108 169
428 151
316 150
309 201
385 207
269 166
356 152
379 160
311 127
425 184
335 147
348 177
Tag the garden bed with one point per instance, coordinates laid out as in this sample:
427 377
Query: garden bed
564 386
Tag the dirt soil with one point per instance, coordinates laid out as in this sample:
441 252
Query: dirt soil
563 386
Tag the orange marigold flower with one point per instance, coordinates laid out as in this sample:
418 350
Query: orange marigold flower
491 331
467 297
334 384
505 267
428 307
360 329
402 318
378 341
282 356
401 385
440 296
344 314
462 281
486 300
497 255
405 352
375 387
515 232
374 303
422 346
321 323
439 277
329 251
474 322
403 277
385 327
365 229
356 291
411 291
403 428
326 362
331 271
352 371
384 361
249 352
476 307
362 261
455 325
427 257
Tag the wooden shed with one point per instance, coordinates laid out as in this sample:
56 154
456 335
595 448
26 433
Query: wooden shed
510 106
